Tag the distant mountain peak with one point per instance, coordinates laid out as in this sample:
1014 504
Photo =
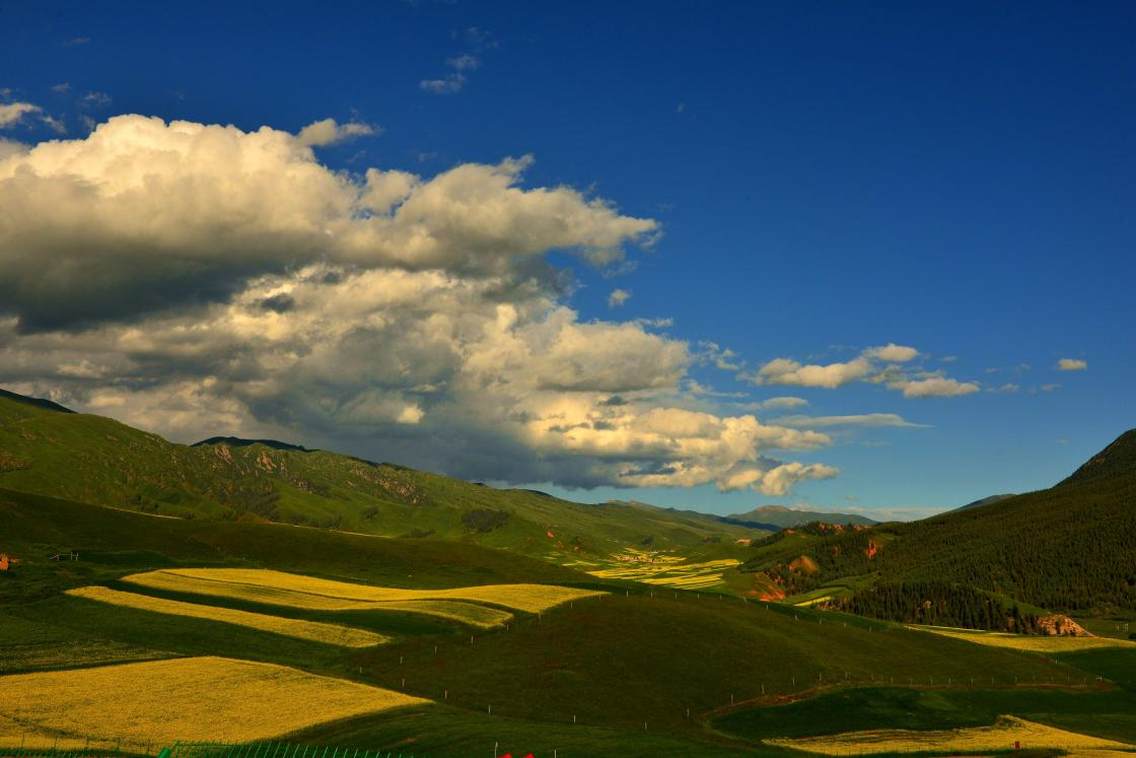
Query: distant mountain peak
782 517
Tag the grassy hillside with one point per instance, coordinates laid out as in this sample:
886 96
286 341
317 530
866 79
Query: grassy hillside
1071 547
639 654
111 543
91 459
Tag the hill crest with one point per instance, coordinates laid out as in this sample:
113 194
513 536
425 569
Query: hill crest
783 517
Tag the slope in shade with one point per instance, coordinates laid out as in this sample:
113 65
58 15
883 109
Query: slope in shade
92 459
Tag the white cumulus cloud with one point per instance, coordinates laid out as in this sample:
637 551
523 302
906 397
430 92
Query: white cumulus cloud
329 132
892 353
198 279
786 371
142 215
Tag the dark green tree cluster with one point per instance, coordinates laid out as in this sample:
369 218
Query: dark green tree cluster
938 604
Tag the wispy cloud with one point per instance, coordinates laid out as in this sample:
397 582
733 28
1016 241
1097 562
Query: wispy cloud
712 353
475 40
783 402
14 114
1072 364
93 100
449 85
464 62
860 419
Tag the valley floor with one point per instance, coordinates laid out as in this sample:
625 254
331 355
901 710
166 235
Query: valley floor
173 630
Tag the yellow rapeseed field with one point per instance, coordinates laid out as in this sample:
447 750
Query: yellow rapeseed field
1029 642
278 587
190 699
480 616
330 634
661 569
470 614
1001 736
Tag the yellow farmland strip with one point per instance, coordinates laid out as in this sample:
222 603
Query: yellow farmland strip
480 616
470 614
664 570
813 601
190 699
1000 736
329 634
1029 642
685 583
280 588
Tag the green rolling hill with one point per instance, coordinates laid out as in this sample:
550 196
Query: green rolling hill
48 450
1069 548
639 672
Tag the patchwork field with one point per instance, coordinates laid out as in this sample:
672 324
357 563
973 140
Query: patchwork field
663 569
315 631
1002 736
280 588
143 705
1030 643
638 673
463 612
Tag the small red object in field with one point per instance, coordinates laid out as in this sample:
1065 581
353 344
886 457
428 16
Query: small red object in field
551 536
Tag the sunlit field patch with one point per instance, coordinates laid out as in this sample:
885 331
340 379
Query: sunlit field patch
1029 642
190 699
661 569
280 588
1001 736
470 614
329 634
813 601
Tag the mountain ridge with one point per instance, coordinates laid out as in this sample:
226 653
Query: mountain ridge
787 518
1069 548
112 464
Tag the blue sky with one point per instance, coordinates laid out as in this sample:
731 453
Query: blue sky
827 178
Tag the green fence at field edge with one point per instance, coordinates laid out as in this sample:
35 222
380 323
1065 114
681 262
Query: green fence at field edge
270 750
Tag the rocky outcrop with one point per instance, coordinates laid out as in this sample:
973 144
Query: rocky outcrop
804 565
1059 625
